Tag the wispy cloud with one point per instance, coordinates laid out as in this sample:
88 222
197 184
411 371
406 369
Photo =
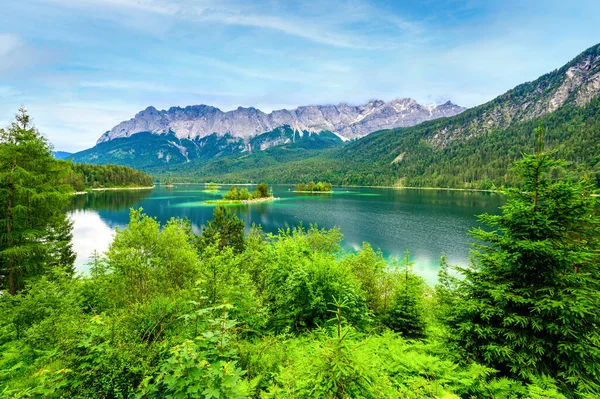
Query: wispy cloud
332 27
145 86
287 25
154 6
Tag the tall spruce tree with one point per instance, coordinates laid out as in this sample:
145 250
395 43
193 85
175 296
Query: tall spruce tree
32 203
530 305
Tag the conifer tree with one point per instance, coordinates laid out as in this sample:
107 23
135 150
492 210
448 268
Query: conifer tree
227 226
445 291
407 312
60 245
530 305
32 201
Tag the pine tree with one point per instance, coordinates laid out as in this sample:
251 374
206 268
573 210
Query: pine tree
531 303
32 201
445 291
60 245
227 226
407 312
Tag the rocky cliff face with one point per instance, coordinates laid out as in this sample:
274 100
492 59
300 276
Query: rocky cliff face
578 83
346 121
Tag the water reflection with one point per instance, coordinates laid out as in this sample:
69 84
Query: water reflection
110 200
90 233
427 222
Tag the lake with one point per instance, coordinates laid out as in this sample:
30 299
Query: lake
426 222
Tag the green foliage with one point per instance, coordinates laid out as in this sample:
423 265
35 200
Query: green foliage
335 372
319 187
144 150
86 176
234 194
157 153
146 259
32 202
60 249
226 229
445 291
287 317
406 313
530 306
203 367
166 314
261 191
369 267
302 280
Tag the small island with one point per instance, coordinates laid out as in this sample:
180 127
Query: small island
234 196
212 188
320 187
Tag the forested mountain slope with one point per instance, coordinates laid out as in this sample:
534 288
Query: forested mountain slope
469 150
151 150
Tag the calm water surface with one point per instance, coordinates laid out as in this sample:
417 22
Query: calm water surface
427 222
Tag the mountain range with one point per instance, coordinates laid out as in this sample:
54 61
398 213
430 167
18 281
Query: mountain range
180 135
346 121
452 147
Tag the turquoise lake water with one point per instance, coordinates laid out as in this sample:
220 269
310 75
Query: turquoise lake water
427 222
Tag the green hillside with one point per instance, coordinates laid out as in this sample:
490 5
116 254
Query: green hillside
305 146
167 152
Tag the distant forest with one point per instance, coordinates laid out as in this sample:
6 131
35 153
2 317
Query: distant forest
85 176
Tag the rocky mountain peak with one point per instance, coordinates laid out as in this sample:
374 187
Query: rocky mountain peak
345 121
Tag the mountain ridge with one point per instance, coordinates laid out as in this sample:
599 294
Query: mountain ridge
346 121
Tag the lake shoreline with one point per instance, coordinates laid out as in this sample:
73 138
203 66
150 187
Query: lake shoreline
313 192
112 189
241 202
479 190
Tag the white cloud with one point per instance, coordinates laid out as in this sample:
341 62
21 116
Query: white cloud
328 29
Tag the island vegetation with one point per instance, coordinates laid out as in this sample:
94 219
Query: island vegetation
261 193
211 188
166 313
320 187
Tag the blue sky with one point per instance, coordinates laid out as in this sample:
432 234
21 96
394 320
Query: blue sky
82 66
